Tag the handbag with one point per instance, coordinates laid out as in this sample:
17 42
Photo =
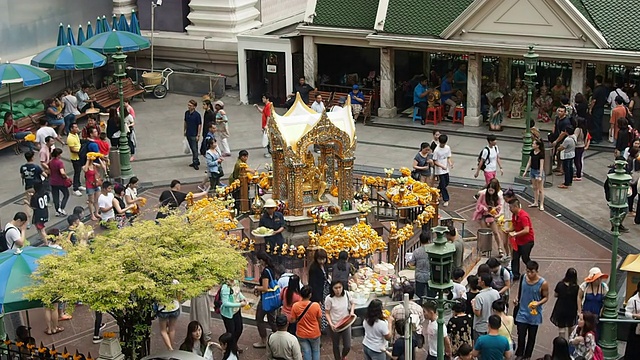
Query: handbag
185 147
68 182
265 139
271 298
415 175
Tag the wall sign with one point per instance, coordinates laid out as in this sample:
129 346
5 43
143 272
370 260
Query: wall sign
271 69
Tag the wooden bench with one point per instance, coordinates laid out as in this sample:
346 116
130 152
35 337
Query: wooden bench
326 97
366 106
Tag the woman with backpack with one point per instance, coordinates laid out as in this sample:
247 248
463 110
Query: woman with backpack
267 276
592 293
583 337
231 301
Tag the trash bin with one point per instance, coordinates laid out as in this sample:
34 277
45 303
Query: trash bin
114 163
548 160
485 238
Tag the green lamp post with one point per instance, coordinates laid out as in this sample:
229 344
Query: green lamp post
440 260
530 64
120 63
618 186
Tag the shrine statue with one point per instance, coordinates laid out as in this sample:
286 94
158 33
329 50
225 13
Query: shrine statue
314 177
494 93
558 91
518 96
544 104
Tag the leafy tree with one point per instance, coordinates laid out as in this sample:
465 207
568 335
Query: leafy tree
125 272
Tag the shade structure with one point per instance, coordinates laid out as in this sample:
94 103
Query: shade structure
70 38
62 38
122 23
16 267
135 24
81 37
89 30
114 23
105 24
107 43
69 57
24 74
98 26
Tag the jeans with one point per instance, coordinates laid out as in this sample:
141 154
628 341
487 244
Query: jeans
423 110
20 135
97 324
55 192
95 105
567 168
523 251
310 348
345 336
373 355
526 335
234 325
77 170
596 129
260 324
68 120
443 182
132 146
193 145
578 161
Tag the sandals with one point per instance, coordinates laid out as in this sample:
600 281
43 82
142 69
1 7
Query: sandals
65 317
59 329
534 205
562 186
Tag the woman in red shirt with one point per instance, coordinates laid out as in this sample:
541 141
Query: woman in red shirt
93 182
58 182
14 131
308 317
291 295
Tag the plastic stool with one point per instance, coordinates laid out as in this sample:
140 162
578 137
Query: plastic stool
432 116
440 112
416 116
458 115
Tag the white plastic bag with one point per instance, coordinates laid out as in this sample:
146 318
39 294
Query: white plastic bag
208 354
186 148
265 139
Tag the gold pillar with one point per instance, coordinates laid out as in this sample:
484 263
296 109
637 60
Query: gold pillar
392 249
244 190
345 188
279 175
295 192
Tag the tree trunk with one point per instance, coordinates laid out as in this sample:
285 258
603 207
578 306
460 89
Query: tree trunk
135 330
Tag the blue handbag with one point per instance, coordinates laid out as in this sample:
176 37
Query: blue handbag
271 298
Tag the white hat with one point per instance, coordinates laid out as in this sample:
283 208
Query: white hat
594 274
270 203
219 103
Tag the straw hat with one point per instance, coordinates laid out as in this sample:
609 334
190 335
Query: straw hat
219 103
270 203
594 274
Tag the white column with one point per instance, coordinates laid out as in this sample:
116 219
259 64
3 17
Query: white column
473 115
578 77
387 79
242 75
288 66
222 18
125 7
310 51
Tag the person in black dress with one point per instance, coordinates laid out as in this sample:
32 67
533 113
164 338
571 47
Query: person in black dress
565 311
318 280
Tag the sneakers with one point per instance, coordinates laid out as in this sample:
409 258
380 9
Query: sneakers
445 204
267 155
196 166
61 213
102 326
259 345
97 339
77 193
82 188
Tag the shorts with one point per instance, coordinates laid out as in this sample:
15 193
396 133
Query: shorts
535 174
169 315
56 122
39 225
91 191
488 176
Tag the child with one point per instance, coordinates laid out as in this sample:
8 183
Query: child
91 123
104 145
39 202
211 136
464 352
459 327
458 291
397 352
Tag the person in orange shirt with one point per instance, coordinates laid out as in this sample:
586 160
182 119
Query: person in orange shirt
620 111
308 316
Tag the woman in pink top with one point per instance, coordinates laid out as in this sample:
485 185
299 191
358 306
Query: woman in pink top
93 182
127 104
291 295
57 180
488 208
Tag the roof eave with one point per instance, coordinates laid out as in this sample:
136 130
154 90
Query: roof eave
314 30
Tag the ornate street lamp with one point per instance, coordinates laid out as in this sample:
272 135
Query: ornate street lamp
530 64
120 63
618 186
441 260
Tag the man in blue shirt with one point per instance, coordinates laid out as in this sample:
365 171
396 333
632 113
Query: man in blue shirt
420 97
192 131
446 94
357 101
274 220
460 78
492 346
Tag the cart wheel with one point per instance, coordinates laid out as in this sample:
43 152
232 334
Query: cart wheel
160 91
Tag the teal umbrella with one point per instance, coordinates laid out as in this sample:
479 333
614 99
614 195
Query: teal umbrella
105 24
89 31
70 38
99 26
81 37
16 267
108 42
122 23
26 75
62 39
135 25
114 23
69 57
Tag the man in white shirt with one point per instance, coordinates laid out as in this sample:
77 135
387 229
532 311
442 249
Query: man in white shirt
340 106
70 110
105 203
489 160
14 231
44 131
431 336
442 162
318 105
85 101
617 92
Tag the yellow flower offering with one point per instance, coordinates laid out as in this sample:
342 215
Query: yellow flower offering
386 314
30 137
94 155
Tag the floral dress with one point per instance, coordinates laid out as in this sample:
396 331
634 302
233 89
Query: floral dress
459 330
584 346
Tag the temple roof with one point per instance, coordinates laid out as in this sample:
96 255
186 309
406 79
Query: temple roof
358 14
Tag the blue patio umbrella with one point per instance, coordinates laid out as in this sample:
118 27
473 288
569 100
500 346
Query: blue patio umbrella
135 25
69 57
114 23
70 38
122 23
62 38
108 42
81 37
89 30
105 24
98 26
26 75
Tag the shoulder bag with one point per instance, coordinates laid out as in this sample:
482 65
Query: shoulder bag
271 298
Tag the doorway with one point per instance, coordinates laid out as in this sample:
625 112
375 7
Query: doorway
266 74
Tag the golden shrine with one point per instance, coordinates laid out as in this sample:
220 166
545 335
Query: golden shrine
298 177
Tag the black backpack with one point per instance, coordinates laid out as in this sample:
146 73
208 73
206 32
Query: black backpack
217 301
3 239
84 150
486 161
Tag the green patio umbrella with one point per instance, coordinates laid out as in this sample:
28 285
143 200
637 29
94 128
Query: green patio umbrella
26 75
69 57
108 42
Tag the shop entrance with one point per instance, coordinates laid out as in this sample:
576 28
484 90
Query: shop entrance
266 74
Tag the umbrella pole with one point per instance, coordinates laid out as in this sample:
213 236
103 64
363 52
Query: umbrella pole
10 101
28 322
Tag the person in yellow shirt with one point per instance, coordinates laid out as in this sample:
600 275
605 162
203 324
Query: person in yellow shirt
73 142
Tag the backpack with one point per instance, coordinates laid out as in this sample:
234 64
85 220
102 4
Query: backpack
3 239
486 161
502 269
217 301
597 352
84 150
